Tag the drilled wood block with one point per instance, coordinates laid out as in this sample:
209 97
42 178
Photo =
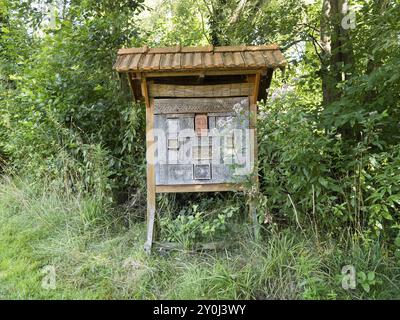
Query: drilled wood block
201 124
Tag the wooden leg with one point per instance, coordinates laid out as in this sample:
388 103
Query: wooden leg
151 207
254 219
252 200
151 222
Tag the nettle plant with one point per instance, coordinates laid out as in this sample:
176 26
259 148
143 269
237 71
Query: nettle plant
194 224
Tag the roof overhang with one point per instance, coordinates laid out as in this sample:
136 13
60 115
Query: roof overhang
199 59
145 62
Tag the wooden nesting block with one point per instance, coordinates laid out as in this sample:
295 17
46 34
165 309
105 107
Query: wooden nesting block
201 172
201 124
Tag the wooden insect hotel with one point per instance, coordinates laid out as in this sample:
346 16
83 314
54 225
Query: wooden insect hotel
201 110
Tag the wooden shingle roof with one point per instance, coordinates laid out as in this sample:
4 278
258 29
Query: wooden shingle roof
179 58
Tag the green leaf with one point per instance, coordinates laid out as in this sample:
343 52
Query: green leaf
323 182
371 276
366 287
361 276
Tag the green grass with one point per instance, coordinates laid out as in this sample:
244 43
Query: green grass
98 256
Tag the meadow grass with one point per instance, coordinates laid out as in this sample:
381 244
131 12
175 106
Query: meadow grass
98 255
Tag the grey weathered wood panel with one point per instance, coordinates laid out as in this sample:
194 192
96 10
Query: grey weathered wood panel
178 174
199 105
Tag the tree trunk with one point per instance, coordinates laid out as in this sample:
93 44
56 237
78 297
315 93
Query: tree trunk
216 23
337 55
379 6
327 83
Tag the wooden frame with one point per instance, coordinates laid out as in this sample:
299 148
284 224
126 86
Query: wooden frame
150 170
202 73
216 77
220 187
153 189
253 126
201 91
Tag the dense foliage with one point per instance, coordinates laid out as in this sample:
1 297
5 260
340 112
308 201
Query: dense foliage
329 152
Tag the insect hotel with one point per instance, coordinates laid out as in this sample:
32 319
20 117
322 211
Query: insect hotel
201 111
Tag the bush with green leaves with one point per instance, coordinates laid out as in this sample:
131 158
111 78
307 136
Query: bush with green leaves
209 219
313 175
62 100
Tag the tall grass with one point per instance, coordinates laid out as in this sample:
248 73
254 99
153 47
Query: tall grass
98 255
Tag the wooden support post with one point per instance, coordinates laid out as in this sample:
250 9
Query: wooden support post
268 79
151 185
253 219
